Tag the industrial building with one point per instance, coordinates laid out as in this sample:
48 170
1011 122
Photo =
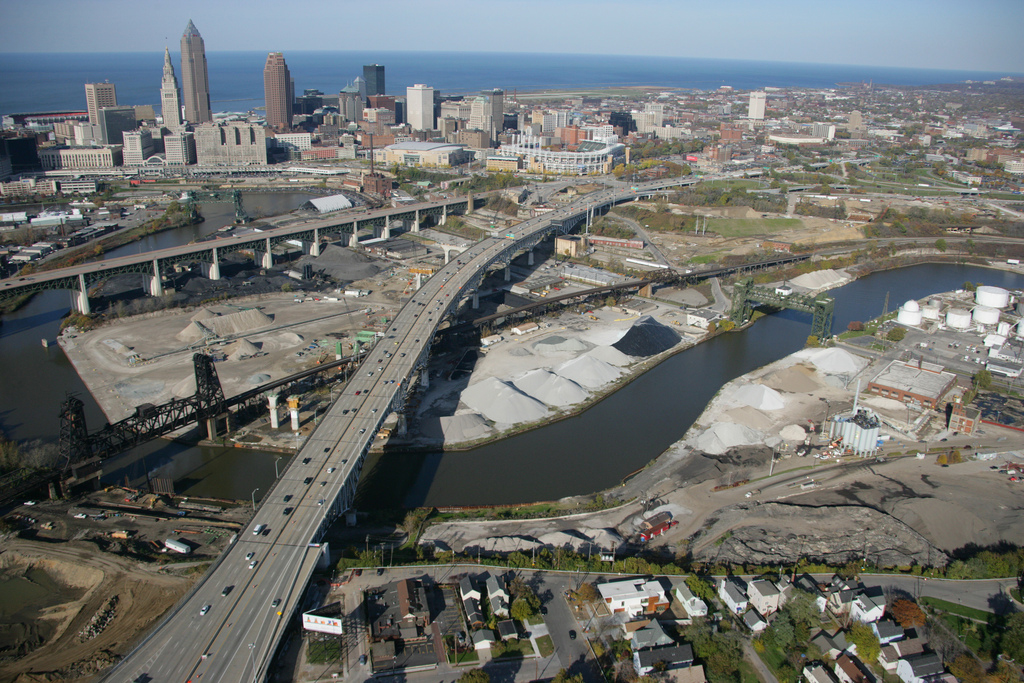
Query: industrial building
916 383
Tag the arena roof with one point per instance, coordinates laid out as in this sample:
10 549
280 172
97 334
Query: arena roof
423 146
336 202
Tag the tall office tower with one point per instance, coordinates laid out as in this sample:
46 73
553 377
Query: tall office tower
373 74
195 83
170 97
350 104
114 122
756 109
658 110
138 146
420 101
97 96
277 84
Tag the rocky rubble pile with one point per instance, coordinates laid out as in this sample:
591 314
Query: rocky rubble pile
99 621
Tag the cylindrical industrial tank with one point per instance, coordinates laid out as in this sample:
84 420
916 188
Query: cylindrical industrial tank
1019 308
909 314
983 315
1020 329
993 297
1003 329
930 312
958 319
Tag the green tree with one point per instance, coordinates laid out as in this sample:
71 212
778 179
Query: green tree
940 244
970 286
521 609
475 676
1012 643
563 677
866 641
812 340
896 334
982 379
701 588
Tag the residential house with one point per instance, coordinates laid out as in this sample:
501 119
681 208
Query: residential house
634 597
474 617
763 596
833 644
849 669
662 659
694 606
733 593
652 635
497 596
809 584
507 630
887 631
466 589
818 673
869 605
754 621
840 601
891 654
919 668
483 639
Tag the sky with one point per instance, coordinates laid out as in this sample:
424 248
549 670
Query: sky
981 35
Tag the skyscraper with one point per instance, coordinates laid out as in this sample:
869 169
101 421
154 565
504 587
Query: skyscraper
114 122
756 109
277 86
195 82
170 97
373 74
97 96
420 101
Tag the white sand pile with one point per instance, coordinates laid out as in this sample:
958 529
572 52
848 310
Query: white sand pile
793 433
501 402
243 348
759 396
796 379
258 379
832 361
233 323
588 371
291 339
820 279
203 314
747 417
604 538
506 544
185 388
562 539
610 355
465 427
725 435
552 389
556 344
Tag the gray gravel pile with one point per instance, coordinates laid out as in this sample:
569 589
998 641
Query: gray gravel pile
588 371
549 388
647 337
501 402
342 263
556 344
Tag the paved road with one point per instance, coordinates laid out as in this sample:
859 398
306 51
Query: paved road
240 630
639 229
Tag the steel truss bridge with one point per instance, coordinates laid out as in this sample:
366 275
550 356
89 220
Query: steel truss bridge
746 296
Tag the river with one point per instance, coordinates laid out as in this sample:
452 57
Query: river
586 453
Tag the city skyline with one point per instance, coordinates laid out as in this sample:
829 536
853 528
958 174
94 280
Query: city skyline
940 34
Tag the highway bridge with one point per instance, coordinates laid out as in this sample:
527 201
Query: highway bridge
154 264
230 625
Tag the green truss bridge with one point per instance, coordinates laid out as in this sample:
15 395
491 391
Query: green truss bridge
746 296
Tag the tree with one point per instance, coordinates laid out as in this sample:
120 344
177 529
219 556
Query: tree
967 668
701 588
855 326
563 677
896 334
475 676
942 459
908 613
866 641
970 286
982 379
521 609
941 245
812 340
587 592
1013 638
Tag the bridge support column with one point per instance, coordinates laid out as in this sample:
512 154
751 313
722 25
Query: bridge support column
447 256
469 203
425 378
419 281
476 300
403 427
508 273
275 422
83 296
314 249
416 222
444 214
385 232
295 419
156 284
214 272
529 258
268 256
353 240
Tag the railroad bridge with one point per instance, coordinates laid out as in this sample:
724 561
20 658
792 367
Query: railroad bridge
746 295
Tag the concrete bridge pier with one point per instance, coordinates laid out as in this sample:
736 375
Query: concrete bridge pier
419 280
508 273
469 203
213 271
83 296
275 421
402 427
314 248
268 256
444 214
385 231
476 300
416 222
529 258
353 240
156 283
425 378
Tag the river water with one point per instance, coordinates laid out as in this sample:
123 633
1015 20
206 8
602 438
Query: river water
586 453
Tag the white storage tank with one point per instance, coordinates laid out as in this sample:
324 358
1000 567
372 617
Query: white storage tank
993 297
958 319
1003 329
930 312
909 314
1020 329
983 315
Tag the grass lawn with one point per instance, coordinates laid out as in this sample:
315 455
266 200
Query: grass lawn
466 657
745 227
773 657
953 608
546 646
511 649
747 673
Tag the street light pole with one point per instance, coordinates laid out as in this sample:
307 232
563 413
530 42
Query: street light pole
254 498
252 646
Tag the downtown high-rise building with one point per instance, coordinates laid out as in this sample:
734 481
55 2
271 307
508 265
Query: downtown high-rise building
419 100
757 105
373 74
195 82
170 96
277 89
97 96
